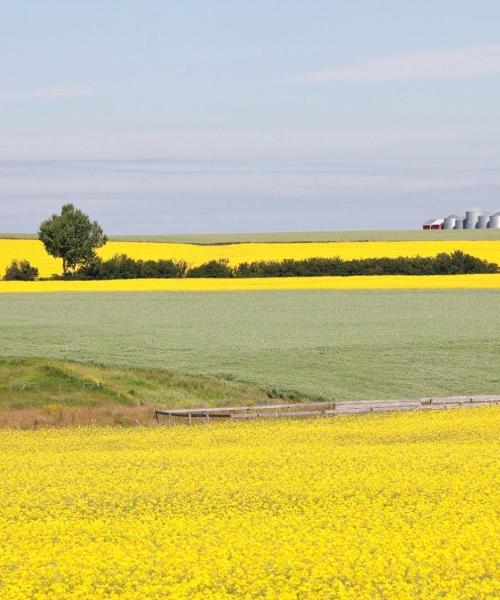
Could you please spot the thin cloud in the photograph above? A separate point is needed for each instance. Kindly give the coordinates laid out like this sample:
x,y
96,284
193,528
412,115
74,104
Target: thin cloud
x,y
52,93
453,63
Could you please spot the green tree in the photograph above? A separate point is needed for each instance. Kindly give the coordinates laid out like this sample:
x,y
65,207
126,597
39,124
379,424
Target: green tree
x,y
71,236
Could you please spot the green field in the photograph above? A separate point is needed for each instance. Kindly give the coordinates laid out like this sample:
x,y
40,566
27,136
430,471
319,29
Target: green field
x,y
327,344
299,236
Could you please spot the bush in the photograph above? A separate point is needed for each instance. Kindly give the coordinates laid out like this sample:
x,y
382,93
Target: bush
x,y
212,269
20,270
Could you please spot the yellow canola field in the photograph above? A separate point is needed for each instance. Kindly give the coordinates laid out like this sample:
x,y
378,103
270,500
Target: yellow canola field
x,y
397,507
33,251
372,282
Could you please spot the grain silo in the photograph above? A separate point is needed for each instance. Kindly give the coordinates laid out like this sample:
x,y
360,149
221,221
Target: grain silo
x,y
482,221
459,223
471,218
449,221
494,222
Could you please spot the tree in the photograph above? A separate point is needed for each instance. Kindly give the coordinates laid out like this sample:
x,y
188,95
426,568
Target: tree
x,y
20,270
71,236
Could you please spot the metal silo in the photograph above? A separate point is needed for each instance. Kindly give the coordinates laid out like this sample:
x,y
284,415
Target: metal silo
x,y
494,222
471,218
482,221
459,223
449,221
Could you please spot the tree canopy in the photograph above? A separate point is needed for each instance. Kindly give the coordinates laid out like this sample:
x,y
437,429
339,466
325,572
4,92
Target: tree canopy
x,y
71,236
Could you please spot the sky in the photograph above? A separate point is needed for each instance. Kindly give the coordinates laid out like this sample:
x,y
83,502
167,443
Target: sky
x,y
240,116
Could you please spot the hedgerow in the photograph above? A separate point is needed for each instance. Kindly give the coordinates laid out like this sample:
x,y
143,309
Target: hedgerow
x,y
442,264
122,266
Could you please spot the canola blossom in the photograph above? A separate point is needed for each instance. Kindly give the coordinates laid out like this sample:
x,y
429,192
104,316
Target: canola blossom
x,y
34,251
397,507
366,282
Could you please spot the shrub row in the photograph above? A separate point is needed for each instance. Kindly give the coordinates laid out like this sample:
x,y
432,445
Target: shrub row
x,y
124,267
442,264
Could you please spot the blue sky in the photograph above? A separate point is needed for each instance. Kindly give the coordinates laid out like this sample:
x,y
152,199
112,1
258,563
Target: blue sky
x,y
162,117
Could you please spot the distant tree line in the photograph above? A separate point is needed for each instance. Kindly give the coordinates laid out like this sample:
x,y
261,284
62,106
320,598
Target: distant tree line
x,y
443,264
124,267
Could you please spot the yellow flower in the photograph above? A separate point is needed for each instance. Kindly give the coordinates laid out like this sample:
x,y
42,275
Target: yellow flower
x,y
386,506
375,282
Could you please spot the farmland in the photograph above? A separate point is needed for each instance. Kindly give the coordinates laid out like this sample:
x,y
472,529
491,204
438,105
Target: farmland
x,y
327,344
372,235
33,251
381,506
393,506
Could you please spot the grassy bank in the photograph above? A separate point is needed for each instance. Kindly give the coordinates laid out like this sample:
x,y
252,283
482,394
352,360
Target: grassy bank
x,y
326,344
46,392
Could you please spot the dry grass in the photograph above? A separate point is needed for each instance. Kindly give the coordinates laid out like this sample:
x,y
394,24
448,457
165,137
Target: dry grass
x,y
53,415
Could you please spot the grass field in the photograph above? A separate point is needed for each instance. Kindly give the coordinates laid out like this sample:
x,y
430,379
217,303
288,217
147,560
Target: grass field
x,y
34,251
299,236
327,344
388,506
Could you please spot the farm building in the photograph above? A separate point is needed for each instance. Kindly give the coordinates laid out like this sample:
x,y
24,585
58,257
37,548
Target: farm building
x,y
475,218
434,224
